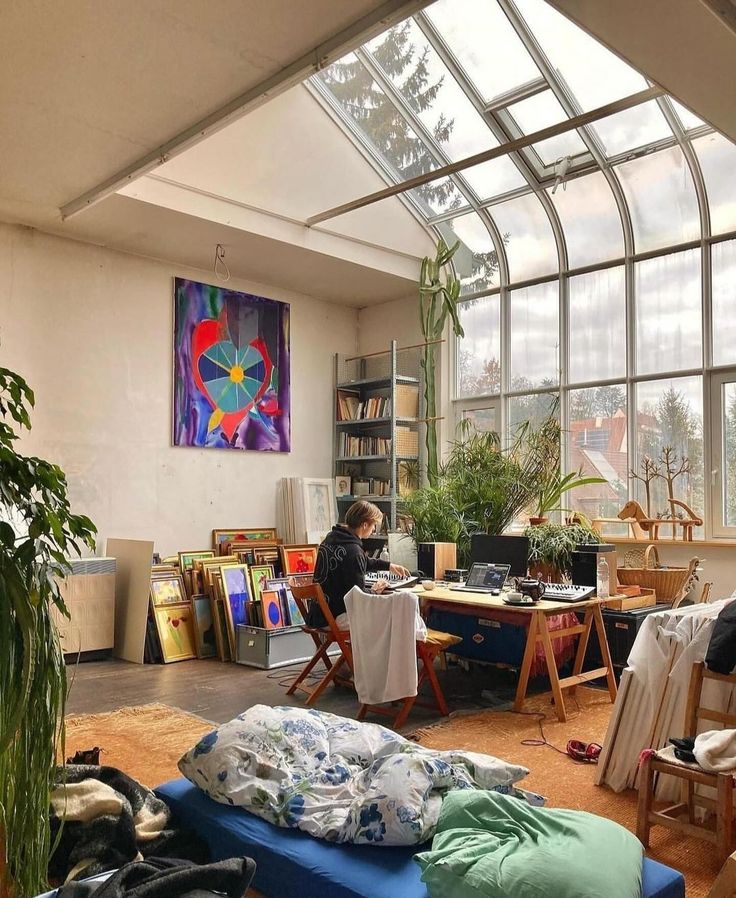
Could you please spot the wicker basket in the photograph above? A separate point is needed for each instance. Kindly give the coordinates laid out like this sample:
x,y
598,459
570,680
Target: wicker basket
x,y
667,582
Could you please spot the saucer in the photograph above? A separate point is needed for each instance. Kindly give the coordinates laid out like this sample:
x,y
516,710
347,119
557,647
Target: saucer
x,y
520,604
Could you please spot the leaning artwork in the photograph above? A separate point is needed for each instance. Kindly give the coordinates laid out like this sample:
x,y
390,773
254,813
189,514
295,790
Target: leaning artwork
x,y
231,369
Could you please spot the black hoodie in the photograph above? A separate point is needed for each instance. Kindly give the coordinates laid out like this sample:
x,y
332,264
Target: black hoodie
x,y
341,565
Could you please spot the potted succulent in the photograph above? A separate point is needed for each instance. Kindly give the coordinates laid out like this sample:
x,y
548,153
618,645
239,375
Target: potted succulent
x,y
551,547
37,532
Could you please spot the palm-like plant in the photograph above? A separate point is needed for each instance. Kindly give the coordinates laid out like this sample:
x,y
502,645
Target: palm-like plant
x,y
439,292
37,532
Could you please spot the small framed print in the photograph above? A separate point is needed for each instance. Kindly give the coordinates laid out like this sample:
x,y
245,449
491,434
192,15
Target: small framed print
x,y
260,574
186,559
243,533
175,632
298,559
273,613
167,590
342,486
204,627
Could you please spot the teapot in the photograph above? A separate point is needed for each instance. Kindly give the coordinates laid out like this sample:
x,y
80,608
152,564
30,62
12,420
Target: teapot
x,y
528,586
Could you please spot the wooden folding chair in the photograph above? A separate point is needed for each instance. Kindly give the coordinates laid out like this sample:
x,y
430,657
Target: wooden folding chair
x,y
725,883
324,639
681,816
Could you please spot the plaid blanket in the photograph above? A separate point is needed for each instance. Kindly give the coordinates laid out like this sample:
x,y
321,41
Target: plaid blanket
x,y
108,820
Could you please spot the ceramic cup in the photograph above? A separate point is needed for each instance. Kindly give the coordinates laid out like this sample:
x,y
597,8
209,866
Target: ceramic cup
x,y
428,584
518,597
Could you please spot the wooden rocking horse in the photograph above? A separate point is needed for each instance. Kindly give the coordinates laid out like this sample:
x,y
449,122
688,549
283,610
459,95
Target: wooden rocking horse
x,y
632,510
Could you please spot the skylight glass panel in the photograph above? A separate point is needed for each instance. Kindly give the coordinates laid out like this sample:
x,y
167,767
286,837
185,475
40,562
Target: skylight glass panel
x,y
535,315
476,262
494,178
479,351
367,105
541,111
632,128
688,120
485,44
668,313
527,235
592,72
723,261
438,197
590,220
661,197
432,93
717,157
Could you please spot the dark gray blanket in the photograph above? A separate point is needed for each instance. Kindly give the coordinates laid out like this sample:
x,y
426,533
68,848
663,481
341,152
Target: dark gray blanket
x,y
110,820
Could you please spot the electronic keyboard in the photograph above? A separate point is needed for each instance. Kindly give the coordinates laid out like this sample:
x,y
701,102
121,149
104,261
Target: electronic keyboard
x,y
394,580
567,592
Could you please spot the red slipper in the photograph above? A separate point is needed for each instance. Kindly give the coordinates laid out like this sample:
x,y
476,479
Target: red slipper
x,y
584,751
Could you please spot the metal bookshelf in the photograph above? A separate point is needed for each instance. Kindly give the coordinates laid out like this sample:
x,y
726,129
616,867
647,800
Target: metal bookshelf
x,y
376,374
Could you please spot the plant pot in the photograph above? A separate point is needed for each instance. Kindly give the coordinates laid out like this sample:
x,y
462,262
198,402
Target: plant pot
x,y
536,521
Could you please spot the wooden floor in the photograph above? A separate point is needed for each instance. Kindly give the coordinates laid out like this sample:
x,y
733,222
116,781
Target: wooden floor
x,y
218,691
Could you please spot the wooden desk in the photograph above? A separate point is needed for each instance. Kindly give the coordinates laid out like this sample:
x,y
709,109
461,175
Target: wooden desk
x,y
534,618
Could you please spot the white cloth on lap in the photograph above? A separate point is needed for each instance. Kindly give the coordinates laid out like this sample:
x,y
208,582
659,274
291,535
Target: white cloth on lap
x,y
384,628
715,750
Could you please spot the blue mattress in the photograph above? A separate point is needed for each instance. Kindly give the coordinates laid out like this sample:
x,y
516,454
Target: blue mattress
x,y
292,864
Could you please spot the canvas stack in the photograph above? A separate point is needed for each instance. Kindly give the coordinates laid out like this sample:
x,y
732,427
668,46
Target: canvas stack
x,y
305,508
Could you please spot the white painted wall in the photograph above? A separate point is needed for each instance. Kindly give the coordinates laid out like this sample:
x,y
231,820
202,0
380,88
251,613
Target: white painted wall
x,y
91,331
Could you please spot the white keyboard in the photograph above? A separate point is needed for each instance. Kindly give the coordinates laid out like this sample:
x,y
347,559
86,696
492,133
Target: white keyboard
x,y
567,592
394,580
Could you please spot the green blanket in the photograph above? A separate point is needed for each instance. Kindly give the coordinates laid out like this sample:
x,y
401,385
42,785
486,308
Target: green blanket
x,y
492,846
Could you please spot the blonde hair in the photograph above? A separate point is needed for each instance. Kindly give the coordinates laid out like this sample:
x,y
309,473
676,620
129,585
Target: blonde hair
x,y
362,512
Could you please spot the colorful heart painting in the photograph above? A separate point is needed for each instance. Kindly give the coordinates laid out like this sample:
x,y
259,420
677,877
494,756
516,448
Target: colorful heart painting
x,y
231,369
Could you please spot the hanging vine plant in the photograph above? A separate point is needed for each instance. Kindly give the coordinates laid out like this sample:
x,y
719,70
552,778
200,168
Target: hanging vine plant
x,y
439,292
37,533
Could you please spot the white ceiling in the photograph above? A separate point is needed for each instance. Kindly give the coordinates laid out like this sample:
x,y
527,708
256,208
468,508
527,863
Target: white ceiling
x,y
88,88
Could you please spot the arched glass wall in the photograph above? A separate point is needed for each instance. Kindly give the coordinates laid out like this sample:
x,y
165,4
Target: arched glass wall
x,y
597,264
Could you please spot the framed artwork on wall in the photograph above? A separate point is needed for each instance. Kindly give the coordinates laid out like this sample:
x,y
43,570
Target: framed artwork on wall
x,y
231,369
298,559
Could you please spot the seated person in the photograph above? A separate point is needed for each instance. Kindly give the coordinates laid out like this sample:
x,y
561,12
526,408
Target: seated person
x,y
342,562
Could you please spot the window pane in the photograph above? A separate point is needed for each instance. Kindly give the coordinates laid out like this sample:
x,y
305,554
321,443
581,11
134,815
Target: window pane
x,y
632,128
534,408
479,351
723,256
471,28
597,325
668,313
728,424
717,157
688,120
476,263
541,111
670,413
590,220
660,193
527,235
482,420
594,74
534,336
434,96
493,178
598,445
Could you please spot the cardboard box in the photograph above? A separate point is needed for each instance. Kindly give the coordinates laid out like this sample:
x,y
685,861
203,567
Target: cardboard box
x,y
407,401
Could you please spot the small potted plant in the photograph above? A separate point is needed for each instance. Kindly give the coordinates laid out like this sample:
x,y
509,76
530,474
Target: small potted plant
x,y
551,547
551,490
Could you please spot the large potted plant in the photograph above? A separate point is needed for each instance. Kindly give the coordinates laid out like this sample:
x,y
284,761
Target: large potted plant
x,y
551,547
37,533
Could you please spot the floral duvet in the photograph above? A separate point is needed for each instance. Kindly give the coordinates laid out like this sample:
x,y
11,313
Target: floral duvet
x,y
337,779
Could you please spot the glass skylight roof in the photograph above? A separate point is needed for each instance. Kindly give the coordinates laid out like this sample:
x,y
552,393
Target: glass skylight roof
x,y
466,76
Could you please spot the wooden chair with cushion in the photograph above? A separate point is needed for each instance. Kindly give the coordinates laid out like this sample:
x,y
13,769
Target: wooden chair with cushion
x,y
436,643
682,816
324,638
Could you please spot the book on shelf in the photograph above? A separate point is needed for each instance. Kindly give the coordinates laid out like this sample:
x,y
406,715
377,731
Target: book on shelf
x,y
371,486
350,445
350,407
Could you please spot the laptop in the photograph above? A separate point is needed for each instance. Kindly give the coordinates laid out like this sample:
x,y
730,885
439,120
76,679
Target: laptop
x,y
483,577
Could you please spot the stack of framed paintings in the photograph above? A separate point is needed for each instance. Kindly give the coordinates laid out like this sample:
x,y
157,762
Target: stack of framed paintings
x,y
186,567
172,615
279,604
221,537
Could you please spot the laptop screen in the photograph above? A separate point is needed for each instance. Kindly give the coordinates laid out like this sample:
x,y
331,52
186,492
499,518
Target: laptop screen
x,y
488,576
